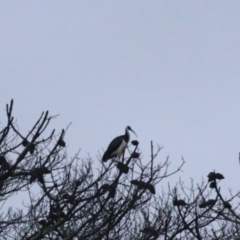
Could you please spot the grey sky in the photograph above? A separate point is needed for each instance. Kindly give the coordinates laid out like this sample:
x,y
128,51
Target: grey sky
x,y
169,69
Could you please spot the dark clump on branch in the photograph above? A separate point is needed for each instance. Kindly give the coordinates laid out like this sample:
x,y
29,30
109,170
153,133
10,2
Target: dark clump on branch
x,y
219,176
144,185
55,214
151,188
77,183
209,203
5,166
227,205
66,196
150,231
122,167
112,191
25,142
212,176
32,148
38,173
213,184
135,182
43,223
61,143
105,187
203,205
135,143
179,202
135,155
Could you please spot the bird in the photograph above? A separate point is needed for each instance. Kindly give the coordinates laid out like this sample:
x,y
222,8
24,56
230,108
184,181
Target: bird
x,y
118,145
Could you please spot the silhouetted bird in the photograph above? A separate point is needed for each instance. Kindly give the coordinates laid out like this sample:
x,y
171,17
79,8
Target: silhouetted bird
x,y
118,145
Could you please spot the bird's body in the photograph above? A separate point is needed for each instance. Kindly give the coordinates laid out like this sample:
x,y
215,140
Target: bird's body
x,y
117,146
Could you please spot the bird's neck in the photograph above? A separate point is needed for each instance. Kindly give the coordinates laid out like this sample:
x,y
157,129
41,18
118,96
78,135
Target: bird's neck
x,y
126,136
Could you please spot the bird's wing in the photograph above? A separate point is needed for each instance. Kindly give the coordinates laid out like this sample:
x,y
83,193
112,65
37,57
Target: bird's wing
x,y
114,144
112,147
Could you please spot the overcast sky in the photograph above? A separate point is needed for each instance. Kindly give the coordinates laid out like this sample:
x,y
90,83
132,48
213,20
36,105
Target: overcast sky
x,y
169,69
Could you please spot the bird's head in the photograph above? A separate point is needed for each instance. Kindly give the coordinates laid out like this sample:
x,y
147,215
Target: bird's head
x,y
128,128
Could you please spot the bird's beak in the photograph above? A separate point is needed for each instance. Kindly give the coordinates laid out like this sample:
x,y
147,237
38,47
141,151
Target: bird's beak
x,y
133,132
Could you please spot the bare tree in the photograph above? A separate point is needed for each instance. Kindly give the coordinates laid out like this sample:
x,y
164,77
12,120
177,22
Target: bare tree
x,y
65,198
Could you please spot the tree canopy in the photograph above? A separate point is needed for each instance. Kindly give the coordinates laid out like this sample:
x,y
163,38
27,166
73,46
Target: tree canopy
x,y
74,198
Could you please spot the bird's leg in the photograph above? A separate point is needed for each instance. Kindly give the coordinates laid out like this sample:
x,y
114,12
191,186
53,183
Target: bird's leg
x,y
123,156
